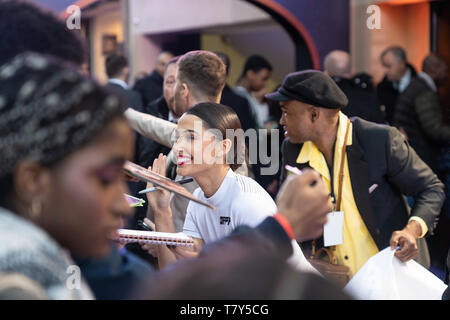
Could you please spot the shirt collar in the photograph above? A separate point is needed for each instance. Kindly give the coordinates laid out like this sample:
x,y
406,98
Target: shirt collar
x,y
404,81
428,80
310,153
172,118
119,82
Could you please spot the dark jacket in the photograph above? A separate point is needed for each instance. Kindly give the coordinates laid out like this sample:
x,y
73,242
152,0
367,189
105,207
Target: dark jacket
x,y
380,155
446,294
419,113
150,87
388,94
239,105
115,276
361,103
146,149
131,98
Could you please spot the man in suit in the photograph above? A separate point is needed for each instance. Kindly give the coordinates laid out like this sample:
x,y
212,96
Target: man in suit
x,y
146,149
239,104
419,111
116,67
378,167
151,86
398,76
361,103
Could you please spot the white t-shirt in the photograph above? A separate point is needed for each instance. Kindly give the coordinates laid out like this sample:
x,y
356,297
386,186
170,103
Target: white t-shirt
x,y
239,201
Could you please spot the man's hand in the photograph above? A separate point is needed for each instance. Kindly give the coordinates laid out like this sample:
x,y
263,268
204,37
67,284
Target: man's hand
x,y
305,201
406,239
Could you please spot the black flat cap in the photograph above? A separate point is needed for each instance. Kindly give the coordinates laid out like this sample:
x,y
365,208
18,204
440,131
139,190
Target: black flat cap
x,y
311,87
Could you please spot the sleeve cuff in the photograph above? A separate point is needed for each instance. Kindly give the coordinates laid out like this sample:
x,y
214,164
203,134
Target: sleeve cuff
x,y
422,223
285,224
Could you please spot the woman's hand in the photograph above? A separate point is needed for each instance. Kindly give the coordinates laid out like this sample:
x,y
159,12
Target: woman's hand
x,y
152,249
187,253
159,200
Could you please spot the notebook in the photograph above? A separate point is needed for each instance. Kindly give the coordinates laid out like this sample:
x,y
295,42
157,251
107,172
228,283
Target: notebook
x,y
143,174
153,237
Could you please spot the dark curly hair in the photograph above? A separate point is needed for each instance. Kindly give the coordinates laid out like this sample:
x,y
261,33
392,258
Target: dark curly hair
x,y
47,111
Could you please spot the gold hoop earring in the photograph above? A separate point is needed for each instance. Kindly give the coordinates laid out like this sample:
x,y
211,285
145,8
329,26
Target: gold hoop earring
x,y
36,208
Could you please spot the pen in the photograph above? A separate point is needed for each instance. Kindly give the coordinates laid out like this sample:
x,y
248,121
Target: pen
x,y
293,169
144,226
182,181
297,171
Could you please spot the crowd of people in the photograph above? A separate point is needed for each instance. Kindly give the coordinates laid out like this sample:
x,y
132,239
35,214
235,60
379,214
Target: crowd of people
x,y
377,154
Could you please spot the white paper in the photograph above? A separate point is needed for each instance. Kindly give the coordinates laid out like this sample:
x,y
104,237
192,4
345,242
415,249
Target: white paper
x,y
385,277
333,229
298,260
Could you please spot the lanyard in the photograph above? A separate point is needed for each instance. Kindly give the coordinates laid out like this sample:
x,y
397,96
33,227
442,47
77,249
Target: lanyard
x,y
341,170
338,202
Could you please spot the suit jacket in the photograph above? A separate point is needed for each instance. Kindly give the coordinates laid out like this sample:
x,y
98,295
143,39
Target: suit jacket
x,y
419,113
388,94
240,106
380,155
150,87
131,98
147,149
361,103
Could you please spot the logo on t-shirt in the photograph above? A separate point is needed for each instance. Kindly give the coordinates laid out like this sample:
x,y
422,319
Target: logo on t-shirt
x,y
225,220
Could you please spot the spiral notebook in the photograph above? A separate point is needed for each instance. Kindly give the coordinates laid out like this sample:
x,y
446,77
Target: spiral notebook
x,y
153,237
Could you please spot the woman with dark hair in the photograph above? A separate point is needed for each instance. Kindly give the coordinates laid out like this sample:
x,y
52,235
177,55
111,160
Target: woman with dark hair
x,y
206,149
63,142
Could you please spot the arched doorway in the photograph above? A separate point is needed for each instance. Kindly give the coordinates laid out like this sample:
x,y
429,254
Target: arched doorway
x,y
306,52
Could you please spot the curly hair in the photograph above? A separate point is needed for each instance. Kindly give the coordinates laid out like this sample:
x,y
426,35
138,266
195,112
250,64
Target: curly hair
x,y
47,111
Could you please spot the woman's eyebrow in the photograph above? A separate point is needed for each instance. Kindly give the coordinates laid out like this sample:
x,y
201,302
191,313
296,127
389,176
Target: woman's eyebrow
x,y
186,130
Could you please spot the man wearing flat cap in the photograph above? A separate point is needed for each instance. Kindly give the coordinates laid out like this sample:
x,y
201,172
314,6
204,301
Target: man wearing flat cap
x,y
378,168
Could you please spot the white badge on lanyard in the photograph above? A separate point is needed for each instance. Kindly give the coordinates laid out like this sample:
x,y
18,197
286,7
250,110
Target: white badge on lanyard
x,y
333,229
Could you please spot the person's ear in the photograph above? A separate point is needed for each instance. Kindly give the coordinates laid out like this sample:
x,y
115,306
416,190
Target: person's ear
x,y
32,182
226,145
184,90
314,113
250,74
185,93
